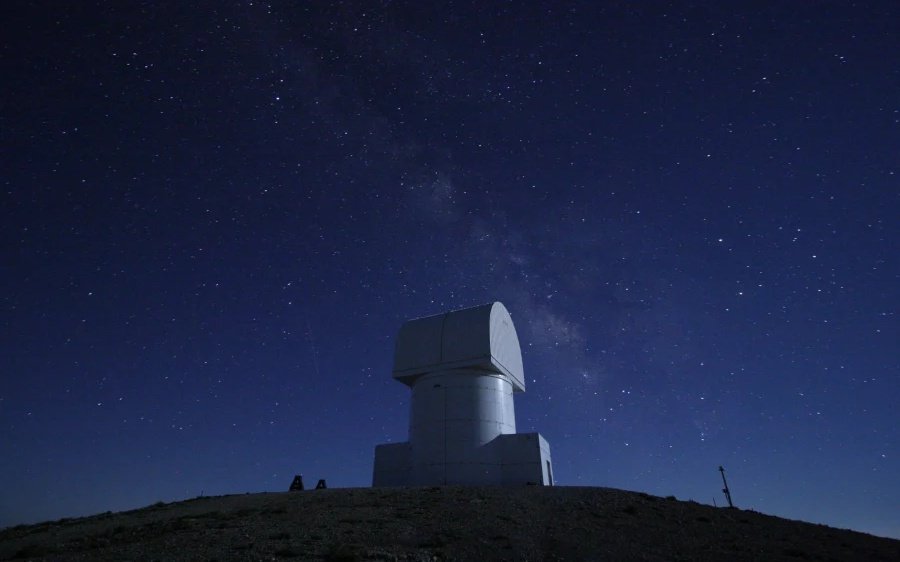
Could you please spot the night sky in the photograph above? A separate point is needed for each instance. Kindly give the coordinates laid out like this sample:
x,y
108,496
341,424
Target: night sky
x,y
215,216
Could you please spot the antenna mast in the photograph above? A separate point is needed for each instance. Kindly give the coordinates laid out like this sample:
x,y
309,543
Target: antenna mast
x,y
725,489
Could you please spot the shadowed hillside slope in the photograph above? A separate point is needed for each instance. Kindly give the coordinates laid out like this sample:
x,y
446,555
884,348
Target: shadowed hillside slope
x,y
442,523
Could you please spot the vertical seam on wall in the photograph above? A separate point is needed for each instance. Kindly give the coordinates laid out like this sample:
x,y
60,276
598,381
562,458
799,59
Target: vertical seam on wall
x,y
444,392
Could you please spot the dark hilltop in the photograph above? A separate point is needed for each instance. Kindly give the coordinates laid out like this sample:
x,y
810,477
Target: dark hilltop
x,y
439,523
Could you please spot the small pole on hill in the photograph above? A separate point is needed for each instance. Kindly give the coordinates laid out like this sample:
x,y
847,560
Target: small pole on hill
x,y
725,489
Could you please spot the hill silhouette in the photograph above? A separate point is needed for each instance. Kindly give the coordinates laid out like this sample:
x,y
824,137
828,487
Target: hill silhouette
x,y
439,523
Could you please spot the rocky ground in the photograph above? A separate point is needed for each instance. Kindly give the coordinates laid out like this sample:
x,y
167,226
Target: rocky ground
x,y
439,523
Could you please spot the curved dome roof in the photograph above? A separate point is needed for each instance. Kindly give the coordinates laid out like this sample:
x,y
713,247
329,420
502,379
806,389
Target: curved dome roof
x,y
478,337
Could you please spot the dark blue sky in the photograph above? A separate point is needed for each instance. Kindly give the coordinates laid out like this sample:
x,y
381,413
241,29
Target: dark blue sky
x,y
216,216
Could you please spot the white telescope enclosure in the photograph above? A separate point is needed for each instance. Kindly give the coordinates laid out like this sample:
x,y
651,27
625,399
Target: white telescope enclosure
x,y
463,368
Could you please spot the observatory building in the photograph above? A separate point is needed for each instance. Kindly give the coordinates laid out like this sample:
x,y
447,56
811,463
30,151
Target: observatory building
x,y
463,368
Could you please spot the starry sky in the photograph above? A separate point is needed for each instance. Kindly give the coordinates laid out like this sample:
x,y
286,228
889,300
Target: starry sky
x,y
215,216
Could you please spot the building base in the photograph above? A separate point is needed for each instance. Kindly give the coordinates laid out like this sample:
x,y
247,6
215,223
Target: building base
x,y
508,460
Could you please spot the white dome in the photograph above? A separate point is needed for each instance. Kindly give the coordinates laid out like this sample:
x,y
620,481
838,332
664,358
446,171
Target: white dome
x,y
482,337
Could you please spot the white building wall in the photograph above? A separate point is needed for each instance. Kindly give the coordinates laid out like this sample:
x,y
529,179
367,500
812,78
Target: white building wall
x,y
453,415
524,458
